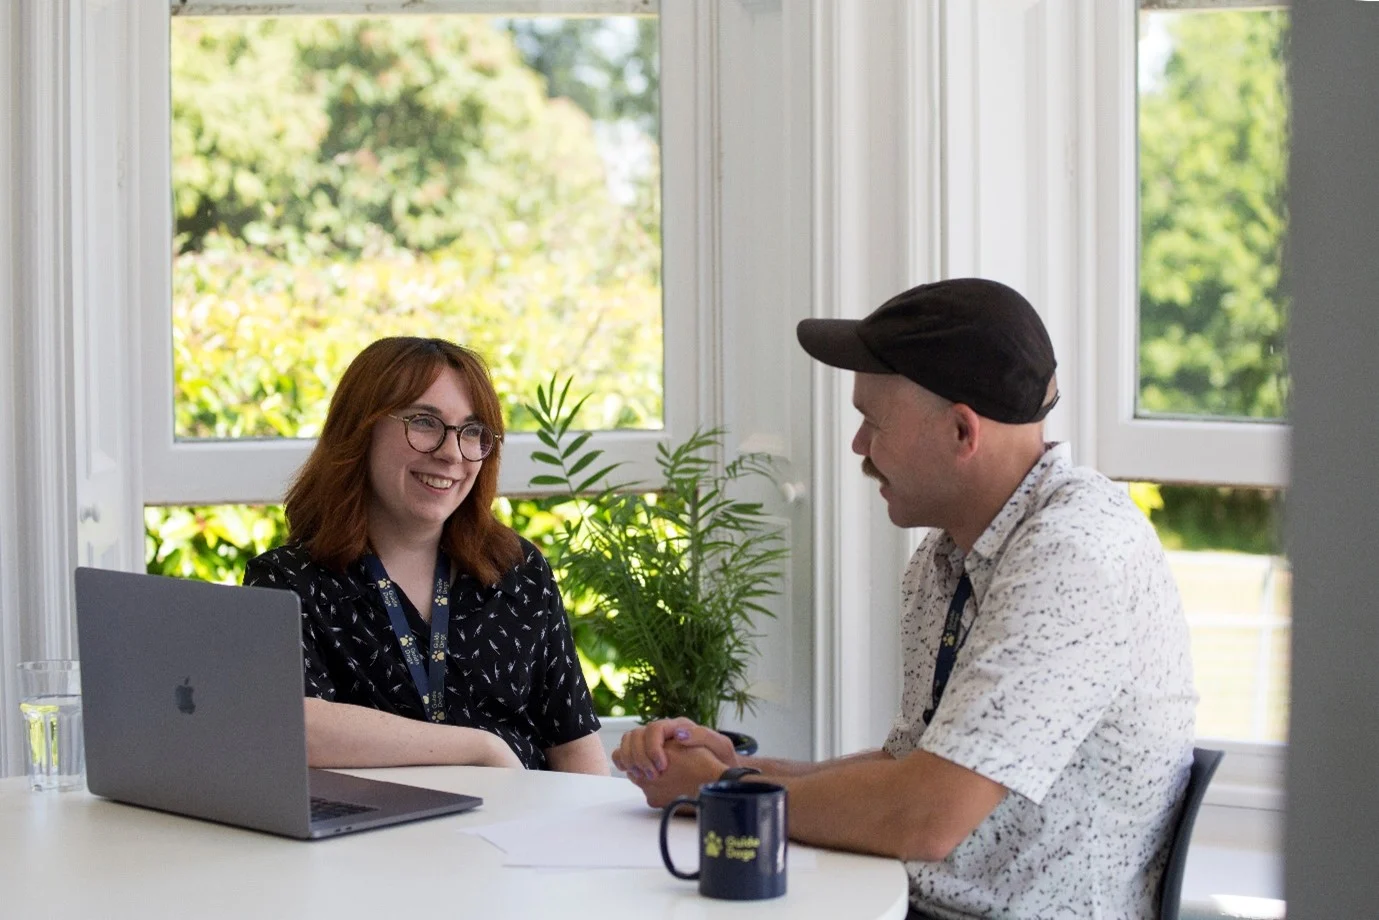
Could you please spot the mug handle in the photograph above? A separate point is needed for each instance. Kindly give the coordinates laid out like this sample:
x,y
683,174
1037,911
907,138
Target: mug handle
x,y
665,848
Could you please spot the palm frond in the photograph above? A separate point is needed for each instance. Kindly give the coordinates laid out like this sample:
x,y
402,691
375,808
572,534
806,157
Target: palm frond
x,y
674,576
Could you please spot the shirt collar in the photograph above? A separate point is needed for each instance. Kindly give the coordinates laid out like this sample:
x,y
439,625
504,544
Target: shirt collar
x,y
1021,502
510,584
1013,513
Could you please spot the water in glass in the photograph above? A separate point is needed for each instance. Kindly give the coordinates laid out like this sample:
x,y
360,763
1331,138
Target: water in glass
x,y
52,727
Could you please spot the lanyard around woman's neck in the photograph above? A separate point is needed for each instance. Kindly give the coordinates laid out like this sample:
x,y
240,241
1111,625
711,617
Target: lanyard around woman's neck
x,y
432,689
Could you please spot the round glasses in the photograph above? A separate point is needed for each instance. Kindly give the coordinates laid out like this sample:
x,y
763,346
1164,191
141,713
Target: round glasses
x,y
426,433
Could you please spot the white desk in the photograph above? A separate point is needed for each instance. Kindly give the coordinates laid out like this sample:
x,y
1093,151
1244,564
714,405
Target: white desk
x,y
74,855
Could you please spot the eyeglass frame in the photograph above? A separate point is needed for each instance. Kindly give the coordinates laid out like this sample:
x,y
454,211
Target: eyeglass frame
x,y
406,421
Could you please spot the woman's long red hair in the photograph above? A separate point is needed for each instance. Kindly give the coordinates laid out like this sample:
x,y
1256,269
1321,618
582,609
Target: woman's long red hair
x,y
327,504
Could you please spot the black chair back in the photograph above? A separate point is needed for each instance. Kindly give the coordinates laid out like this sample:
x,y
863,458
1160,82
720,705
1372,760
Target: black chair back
x,y
1204,764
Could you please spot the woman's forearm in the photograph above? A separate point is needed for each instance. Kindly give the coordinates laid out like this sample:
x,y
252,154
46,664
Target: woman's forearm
x,y
344,735
583,755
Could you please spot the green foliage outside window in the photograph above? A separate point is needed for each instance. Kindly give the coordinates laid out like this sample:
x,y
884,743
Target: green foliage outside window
x,y
622,85
210,543
260,342
336,180
1213,144
1241,520
1213,170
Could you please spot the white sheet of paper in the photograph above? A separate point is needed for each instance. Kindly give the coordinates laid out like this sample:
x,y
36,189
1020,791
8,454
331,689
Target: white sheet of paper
x,y
604,837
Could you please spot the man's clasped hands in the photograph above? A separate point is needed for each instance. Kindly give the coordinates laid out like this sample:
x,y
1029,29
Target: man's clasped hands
x,y
673,757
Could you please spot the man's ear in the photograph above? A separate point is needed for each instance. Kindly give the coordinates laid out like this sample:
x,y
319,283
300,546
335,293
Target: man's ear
x,y
967,426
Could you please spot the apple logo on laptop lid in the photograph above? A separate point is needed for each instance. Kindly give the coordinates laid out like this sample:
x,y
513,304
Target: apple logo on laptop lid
x,y
183,692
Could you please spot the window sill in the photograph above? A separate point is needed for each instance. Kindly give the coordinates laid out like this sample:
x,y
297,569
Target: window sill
x,y
1232,882
1244,795
1235,864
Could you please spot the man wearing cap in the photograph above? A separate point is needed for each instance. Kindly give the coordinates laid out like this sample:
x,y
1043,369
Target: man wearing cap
x,y
1046,719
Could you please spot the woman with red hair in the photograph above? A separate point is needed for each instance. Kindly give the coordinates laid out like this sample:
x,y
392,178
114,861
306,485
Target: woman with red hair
x,y
431,633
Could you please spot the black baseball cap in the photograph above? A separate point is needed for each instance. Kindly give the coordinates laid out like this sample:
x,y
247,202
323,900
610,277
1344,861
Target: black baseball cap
x,y
969,340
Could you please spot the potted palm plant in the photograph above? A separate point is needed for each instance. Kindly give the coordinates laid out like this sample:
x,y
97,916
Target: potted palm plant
x,y
673,573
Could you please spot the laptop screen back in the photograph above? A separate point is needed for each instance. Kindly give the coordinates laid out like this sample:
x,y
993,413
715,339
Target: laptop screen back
x,y
192,698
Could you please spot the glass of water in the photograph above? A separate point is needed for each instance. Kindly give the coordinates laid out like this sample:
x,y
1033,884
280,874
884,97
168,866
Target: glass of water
x,y
50,703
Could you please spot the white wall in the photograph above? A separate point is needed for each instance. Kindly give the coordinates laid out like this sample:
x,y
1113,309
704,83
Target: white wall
x,y
1333,520
874,131
759,387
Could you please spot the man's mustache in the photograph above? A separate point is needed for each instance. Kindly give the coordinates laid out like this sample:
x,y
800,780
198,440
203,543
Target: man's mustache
x,y
869,470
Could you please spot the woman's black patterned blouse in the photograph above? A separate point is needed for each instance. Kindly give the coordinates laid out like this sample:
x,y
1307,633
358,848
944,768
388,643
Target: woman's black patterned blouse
x,y
512,667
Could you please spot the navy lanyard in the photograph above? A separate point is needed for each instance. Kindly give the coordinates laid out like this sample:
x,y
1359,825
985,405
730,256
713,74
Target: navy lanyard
x,y
432,690
948,645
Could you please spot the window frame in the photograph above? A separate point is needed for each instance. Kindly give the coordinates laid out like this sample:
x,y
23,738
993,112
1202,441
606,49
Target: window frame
x,y
1203,451
1179,450
257,470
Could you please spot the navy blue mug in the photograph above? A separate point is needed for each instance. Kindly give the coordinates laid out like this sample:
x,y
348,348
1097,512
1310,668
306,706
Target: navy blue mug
x,y
742,840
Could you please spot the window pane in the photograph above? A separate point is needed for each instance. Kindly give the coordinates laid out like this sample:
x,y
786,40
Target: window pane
x,y
215,543
1213,125
1225,550
488,180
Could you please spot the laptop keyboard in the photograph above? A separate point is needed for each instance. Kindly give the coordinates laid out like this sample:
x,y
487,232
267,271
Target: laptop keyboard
x,y
325,809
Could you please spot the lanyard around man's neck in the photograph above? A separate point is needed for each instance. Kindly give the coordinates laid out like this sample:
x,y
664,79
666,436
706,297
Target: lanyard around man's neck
x,y
432,688
948,645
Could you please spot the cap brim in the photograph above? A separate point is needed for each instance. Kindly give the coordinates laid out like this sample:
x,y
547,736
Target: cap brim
x,y
836,343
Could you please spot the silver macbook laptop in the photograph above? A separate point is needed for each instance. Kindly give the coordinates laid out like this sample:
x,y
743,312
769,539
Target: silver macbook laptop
x,y
192,703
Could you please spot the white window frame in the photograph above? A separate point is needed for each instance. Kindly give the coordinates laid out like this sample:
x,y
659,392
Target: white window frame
x,y
1206,451
1202,451
256,471
95,138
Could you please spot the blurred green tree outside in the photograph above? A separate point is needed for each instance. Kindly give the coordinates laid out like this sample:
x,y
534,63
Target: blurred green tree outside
x,y
1213,170
611,80
340,179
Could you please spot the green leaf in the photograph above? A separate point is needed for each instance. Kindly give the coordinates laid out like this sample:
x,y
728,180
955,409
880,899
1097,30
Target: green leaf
x,y
589,483
576,444
569,417
583,463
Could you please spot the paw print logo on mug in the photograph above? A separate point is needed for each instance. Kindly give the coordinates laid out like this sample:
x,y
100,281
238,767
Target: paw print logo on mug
x,y
713,845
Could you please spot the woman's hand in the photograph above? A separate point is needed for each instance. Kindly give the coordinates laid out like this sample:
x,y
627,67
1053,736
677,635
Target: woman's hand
x,y
687,768
642,753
